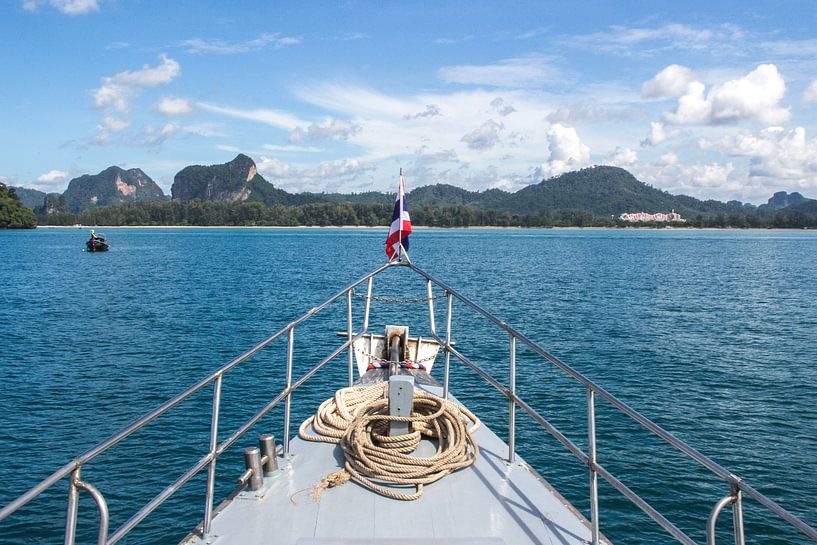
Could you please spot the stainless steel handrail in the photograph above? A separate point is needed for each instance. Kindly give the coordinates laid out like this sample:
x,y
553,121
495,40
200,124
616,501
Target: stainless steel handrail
x,y
208,460
737,484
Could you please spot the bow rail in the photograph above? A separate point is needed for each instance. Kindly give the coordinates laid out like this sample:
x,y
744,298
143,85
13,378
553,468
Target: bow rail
x,y
738,488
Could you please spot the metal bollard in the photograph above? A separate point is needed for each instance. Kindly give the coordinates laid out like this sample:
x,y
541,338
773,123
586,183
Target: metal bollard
x,y
252,461
268,455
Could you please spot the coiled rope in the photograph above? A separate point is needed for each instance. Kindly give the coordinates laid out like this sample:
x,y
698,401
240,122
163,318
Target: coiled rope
x,y
357,419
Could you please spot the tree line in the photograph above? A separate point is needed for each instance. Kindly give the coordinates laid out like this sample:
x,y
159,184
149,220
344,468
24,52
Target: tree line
x,y
13,215
197,213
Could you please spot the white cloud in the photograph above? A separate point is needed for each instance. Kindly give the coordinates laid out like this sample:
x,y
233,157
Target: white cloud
x,y
327,175
275,118
756,96
516,72
157,136
328,129
293,149
53,176
590,111
117,90
173,106
567,152
216,46
622,157
502,107
432,110
810,94
672,81
659,134
273,168
775,153
485,136
115,124
646,41
68,7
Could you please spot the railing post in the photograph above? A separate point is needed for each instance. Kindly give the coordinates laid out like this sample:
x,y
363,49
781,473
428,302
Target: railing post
x,y
712,521
511,402
431,322
211,471
349,336
102,507
73,505
447,367
591,462
288,405
737,515
368,305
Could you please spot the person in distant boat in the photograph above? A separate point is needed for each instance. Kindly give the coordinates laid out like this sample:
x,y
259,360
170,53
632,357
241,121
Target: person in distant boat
x,y
93,236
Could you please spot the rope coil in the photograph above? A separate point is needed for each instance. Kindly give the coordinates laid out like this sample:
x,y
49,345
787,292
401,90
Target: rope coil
x,y
357,419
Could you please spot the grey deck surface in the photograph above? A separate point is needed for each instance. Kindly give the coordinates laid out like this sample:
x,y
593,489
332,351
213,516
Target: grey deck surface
x,y
491,502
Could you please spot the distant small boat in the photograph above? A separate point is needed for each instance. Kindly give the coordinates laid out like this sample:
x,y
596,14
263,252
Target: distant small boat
x,y
97,244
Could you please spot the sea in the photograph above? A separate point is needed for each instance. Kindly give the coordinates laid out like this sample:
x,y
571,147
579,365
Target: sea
x,y
712,334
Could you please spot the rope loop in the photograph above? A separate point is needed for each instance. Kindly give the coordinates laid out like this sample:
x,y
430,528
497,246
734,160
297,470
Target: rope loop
x,y
357,419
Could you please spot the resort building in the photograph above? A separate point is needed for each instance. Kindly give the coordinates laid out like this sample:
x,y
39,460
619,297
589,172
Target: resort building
x,y
644,216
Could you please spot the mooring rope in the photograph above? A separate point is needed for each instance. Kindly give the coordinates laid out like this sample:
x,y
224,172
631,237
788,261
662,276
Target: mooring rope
x,y
357,418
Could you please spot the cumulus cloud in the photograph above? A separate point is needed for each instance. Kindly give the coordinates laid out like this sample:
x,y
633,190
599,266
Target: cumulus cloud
x,y
221,47
115,124
327,175
756,96
702,180
502,107
52,176
432,110
567,152
774,153
68,7
173,106
659,134
328,129
271,167
621,157
116,91
516,72
485,136
672,81
810,94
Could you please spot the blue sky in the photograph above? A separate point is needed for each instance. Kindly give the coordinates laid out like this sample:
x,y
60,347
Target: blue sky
x,y
710,99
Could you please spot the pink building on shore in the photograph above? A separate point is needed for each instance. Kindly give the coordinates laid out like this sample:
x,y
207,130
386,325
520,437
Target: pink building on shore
x,y
643,216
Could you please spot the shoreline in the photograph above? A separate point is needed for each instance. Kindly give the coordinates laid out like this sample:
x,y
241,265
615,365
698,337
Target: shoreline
x,y
424,227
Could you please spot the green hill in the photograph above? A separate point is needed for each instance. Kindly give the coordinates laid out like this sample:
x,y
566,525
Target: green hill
x,y
31,198
111,186
13,214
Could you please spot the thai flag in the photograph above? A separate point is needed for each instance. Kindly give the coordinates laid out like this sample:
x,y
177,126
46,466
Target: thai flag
x,y
400,228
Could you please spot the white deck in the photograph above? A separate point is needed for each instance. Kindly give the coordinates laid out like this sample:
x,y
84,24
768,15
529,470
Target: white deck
x,y
491,502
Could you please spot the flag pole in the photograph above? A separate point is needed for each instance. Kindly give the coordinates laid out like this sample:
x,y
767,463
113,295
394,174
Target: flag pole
x,y
400,191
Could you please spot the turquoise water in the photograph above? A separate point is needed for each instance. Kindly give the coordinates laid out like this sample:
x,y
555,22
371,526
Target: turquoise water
x,y
709,333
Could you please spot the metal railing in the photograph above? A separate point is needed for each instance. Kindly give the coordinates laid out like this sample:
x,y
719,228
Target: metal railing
x,y
738,488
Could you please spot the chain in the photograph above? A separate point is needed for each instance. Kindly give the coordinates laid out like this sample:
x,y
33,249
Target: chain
x,y
393,300
405,363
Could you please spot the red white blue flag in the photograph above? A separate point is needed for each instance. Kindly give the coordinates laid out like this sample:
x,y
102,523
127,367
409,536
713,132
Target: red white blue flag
x,y
400,227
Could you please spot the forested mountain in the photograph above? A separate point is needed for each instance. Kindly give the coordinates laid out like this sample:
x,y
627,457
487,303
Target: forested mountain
x,y
13,215
592,196
31,198
111,186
